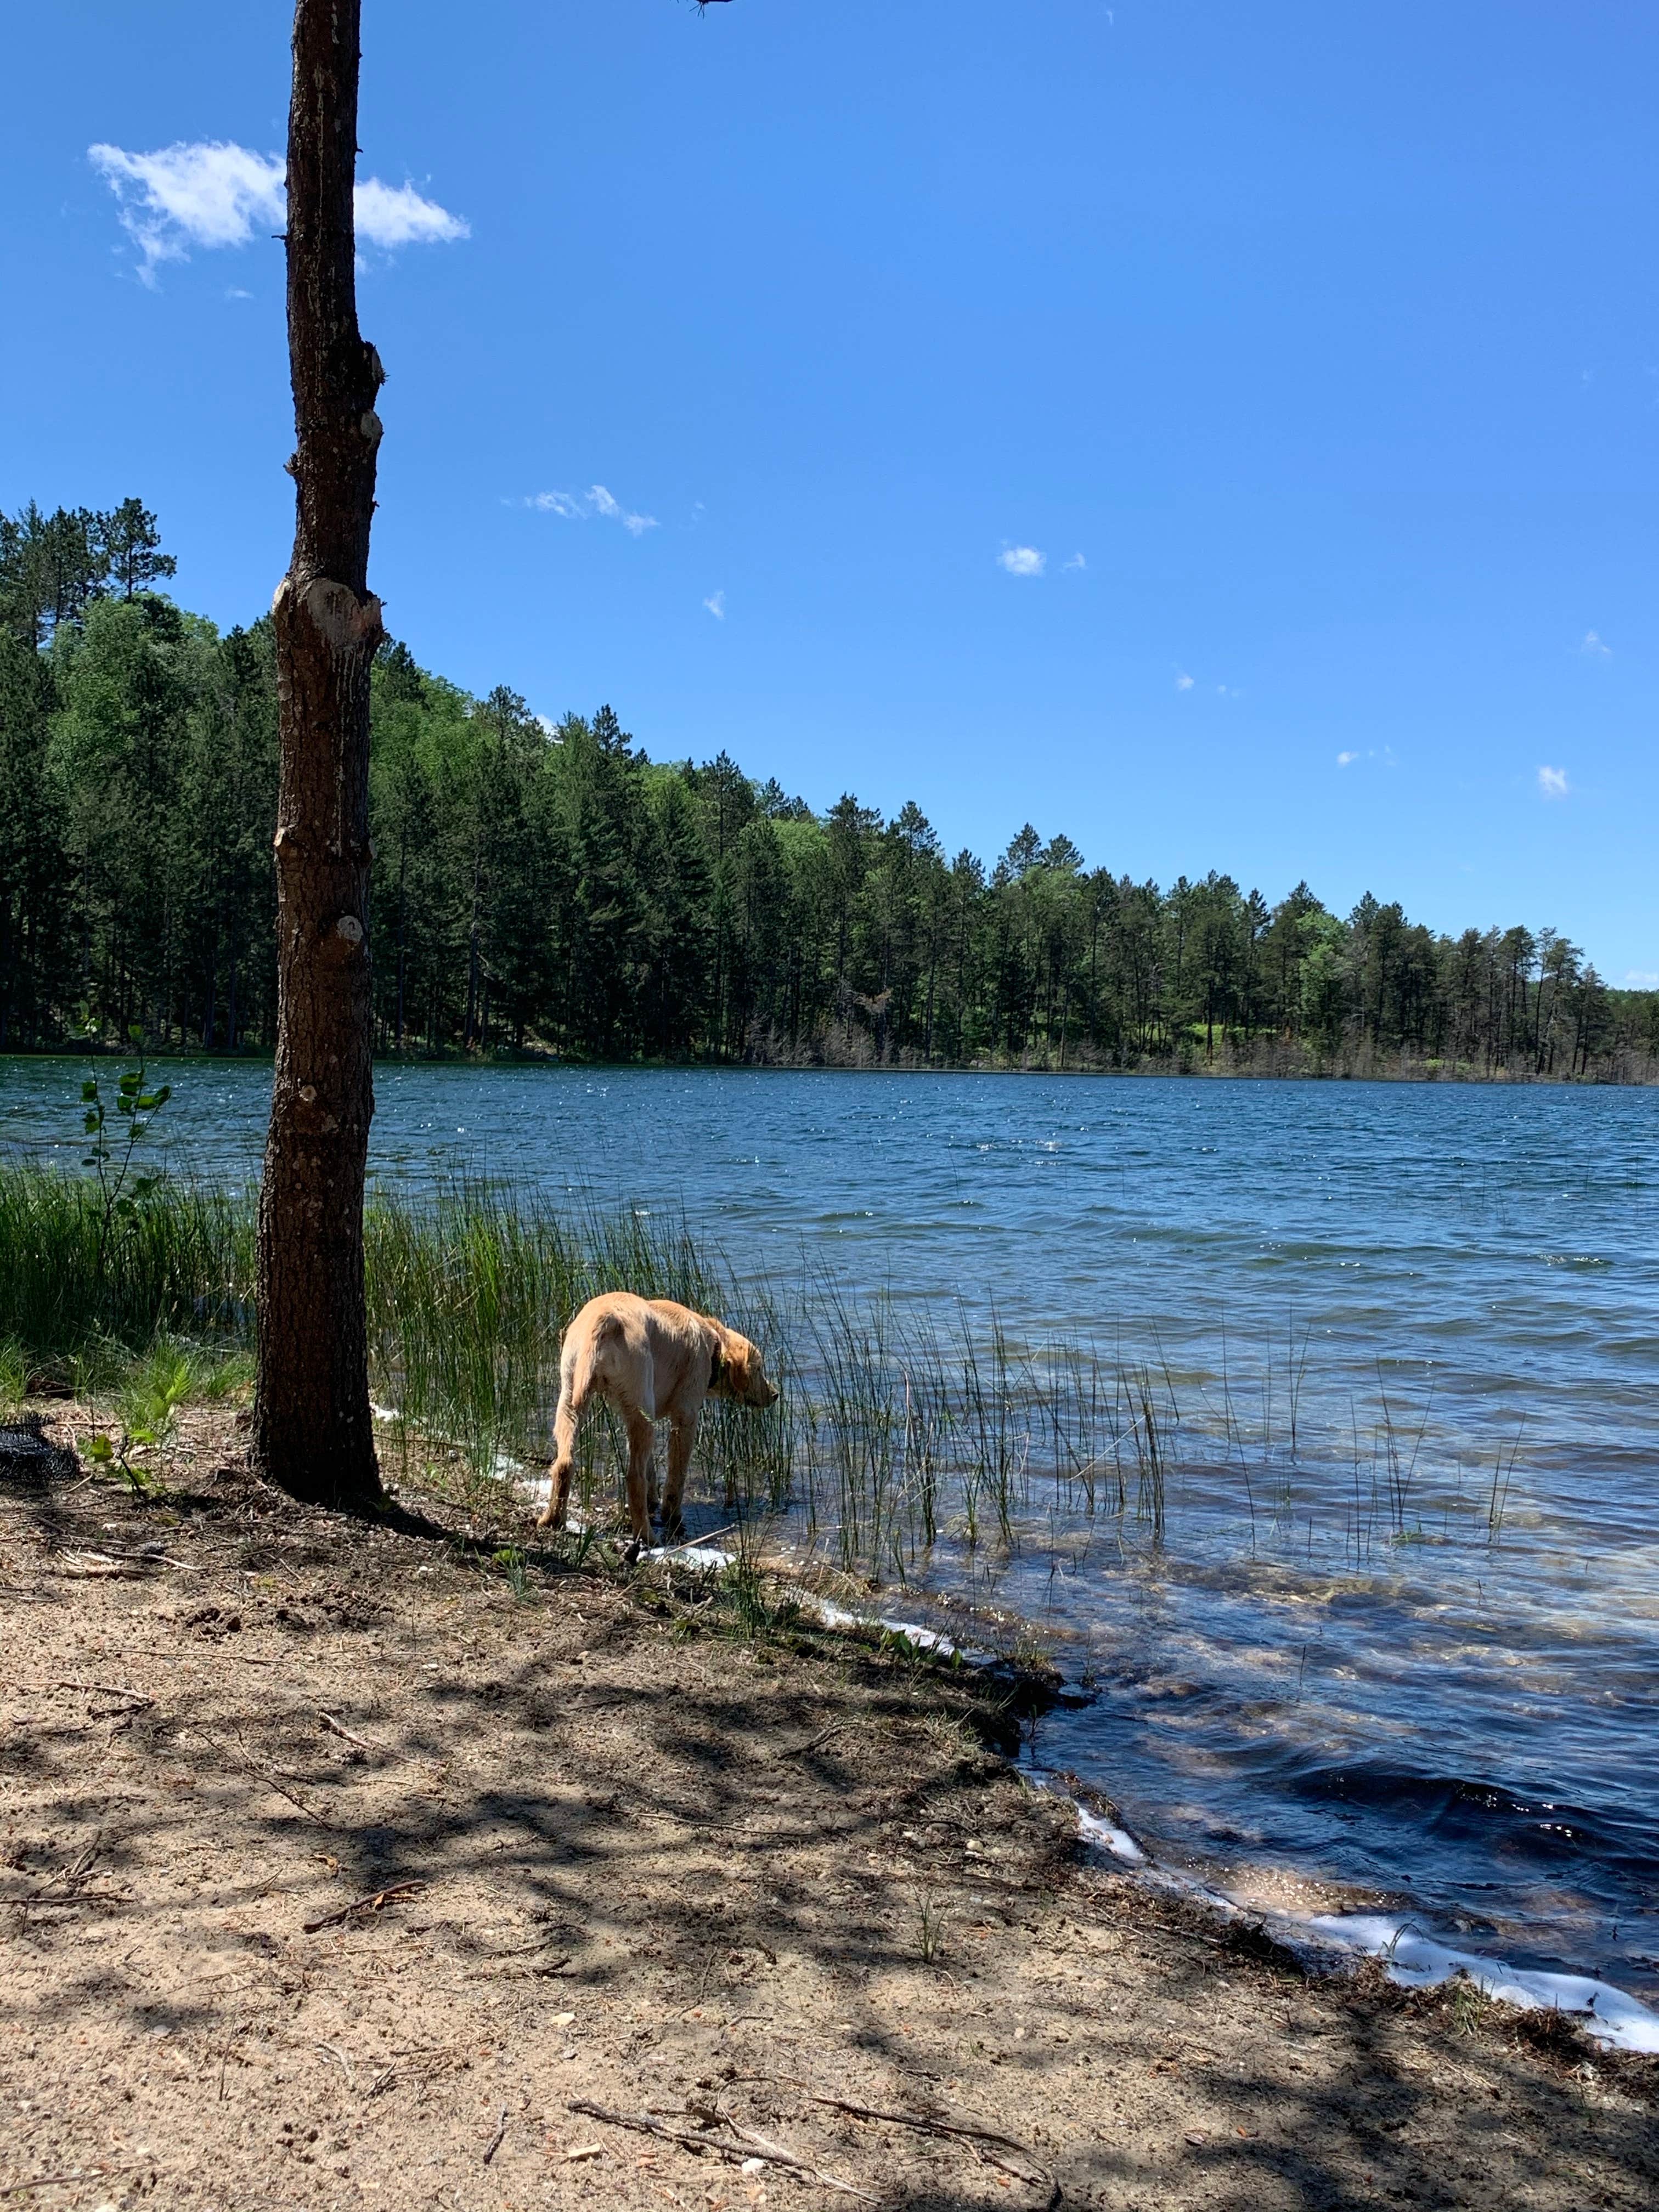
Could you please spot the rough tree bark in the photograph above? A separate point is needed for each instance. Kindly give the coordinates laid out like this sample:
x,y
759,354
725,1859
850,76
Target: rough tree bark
x,y
313,1429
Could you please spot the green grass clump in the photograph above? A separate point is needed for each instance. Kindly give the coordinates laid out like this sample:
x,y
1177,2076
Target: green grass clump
x,y
182,1264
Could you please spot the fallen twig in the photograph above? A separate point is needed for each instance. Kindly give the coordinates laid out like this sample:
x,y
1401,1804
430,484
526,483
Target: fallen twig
x,y
63,2180
332,2051
498,2138
396,1892
1041,2179
748,2147
263,1774
814,1743
339,1729
101,1689
68,1874
138,1698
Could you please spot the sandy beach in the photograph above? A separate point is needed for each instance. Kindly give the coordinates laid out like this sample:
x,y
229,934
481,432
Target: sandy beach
x,y
348,1864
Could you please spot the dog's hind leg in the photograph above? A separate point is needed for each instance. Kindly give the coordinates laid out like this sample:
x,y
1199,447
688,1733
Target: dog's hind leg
x,y
641,1472
564,1460
681,1437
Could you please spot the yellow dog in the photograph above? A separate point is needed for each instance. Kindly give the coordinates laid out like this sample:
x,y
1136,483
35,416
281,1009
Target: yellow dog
x,y
654,1361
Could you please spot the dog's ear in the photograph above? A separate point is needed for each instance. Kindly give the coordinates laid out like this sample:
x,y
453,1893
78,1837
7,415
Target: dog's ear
x,y
717,1363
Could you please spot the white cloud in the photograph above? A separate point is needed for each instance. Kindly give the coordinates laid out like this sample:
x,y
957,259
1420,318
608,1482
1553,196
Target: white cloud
x,y
1022,560
1077,560
576,508
1641,979
635,525
1552,782
1183,682
391,216
715,604
1594,647
212,192
1346,760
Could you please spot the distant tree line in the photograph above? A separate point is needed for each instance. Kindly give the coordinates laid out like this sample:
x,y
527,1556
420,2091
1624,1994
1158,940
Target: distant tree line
x,y
552,888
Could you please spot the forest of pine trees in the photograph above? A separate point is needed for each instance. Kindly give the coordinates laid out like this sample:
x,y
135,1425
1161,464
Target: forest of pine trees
x,y
557,890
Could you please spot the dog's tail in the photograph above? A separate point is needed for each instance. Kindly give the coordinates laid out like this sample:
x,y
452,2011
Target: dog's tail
x,y
585,1368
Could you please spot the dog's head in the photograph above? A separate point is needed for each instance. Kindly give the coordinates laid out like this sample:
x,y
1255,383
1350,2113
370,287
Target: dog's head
x,y
738,1371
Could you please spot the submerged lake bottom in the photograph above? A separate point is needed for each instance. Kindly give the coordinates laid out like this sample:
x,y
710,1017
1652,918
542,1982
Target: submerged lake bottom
x,y
1348,1544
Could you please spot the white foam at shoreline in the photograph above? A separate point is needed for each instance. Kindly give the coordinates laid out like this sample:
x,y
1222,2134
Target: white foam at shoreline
x,y
1107,1838
706,1558
1415,1960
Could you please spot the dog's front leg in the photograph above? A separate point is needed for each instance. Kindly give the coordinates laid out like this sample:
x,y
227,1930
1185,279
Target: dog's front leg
x,y
682,1435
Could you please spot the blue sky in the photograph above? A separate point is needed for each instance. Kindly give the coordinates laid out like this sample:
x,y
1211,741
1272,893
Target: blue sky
x,y
1224,433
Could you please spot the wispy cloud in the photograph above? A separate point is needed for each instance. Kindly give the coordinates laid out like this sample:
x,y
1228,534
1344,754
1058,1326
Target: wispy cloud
x,y
1641,979
212,192
1183,682
635,525
715,604
389,216
1077,560
1386,754
1022,560
1552,782
1346,760
581,506
1594,647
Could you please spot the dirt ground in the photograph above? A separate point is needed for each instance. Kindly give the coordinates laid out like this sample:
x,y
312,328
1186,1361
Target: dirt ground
x,y
777,1895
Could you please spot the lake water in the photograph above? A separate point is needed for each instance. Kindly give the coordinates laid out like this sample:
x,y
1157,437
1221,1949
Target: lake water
x,y
1332,1679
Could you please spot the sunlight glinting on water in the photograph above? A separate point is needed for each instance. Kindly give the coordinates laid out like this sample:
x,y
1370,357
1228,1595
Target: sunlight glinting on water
x,y
1409,1651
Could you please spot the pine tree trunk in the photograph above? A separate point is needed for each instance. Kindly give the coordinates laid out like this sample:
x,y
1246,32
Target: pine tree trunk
x,y
312,1431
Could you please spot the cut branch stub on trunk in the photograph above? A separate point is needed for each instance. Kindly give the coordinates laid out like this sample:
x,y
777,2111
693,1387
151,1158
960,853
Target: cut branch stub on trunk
x,y
313,1432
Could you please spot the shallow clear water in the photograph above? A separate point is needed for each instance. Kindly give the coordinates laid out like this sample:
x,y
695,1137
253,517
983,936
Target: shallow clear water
x,y
1328,1668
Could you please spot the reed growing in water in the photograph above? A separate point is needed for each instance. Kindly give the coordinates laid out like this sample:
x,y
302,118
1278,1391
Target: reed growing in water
x,y
899,1427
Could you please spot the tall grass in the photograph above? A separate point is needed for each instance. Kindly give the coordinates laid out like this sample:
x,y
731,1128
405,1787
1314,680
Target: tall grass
x,y
468,1296
898,1428
183,1264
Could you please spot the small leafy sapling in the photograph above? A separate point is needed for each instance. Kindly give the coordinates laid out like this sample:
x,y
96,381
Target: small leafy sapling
x,y
149,1405
111,1146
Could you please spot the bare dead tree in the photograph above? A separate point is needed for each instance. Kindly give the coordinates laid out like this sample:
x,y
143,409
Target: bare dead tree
x,y
313,1432
313,1429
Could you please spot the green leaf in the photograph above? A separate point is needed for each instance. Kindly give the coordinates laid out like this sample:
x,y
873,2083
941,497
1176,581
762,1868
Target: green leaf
x,y
136,1031
149,1102
143,1185
164,1094
99,1448
89,1088
91,1122
130,1081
